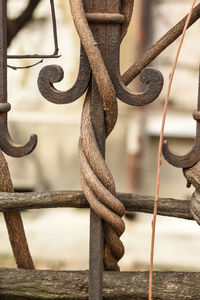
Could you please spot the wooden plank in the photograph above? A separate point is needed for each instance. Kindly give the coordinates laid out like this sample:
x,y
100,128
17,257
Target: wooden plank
x,y
133,202
43,285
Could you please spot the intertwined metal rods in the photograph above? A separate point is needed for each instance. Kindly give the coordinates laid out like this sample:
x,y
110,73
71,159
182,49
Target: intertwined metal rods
x,y
101,26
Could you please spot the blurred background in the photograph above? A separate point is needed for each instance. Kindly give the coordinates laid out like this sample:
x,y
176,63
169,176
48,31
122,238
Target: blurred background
x,y
58,236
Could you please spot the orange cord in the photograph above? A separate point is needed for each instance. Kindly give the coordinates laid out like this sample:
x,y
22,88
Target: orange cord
x,y
160,149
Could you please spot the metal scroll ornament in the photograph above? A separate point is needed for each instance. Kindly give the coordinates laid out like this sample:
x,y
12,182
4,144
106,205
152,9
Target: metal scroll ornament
x,y
101,26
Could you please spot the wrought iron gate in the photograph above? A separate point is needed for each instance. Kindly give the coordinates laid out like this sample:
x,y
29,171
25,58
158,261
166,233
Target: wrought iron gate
x,y
101,26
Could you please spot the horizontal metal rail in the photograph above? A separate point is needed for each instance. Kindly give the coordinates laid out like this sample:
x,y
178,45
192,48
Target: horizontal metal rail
x,y
35,56
135,203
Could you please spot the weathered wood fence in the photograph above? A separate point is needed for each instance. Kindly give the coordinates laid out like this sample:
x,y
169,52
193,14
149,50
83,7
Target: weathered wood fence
x,y
35,284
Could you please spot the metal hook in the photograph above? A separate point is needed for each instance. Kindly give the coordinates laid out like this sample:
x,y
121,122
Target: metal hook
x,y
153,78
6,143
54,73
192,157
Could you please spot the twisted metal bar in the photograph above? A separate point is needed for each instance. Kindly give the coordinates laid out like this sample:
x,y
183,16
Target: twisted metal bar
x,y
97,64
99,189
100,52
96,179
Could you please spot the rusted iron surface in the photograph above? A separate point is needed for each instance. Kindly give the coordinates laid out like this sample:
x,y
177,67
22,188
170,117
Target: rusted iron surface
x,y
6,143
105,18
101,26
13,219
54,73
14,222
192,157
100,52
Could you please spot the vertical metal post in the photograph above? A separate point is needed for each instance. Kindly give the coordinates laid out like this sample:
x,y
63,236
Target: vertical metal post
x,y
96,228
98,123
3,51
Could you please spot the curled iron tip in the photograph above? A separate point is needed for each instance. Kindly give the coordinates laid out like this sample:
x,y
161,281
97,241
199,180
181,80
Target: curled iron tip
x,y
13,149
181,161
192,157
7,145
54,73
149,76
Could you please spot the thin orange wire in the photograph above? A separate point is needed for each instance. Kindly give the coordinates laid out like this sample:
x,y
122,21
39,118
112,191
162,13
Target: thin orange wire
x,y
160,148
